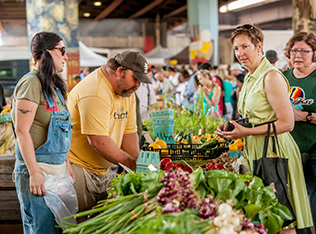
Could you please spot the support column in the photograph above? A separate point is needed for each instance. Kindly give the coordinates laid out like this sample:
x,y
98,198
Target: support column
x,y
60,17
203,21
303,16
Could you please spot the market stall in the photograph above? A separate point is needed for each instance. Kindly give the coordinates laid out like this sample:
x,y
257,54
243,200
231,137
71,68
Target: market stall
x,y
188,181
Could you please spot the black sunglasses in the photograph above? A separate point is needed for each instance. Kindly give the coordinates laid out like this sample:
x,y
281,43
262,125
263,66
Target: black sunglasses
x,y
62,50
245,26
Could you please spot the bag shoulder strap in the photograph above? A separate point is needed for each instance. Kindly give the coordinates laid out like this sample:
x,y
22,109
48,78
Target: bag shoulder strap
x,y
312,149
266,141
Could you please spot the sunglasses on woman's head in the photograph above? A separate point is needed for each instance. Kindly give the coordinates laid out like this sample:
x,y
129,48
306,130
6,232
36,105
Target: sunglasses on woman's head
x,y
62,50
245,26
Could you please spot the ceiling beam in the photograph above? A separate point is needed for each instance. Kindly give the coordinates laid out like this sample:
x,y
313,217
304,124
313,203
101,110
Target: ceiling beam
x,y
137,14
102,15
177,11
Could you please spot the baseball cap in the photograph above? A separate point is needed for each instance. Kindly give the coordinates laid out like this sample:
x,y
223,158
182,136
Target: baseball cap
x,y
134,61
272,56
236,66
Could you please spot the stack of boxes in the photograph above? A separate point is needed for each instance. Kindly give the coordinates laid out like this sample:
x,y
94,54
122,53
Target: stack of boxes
x,y
163,123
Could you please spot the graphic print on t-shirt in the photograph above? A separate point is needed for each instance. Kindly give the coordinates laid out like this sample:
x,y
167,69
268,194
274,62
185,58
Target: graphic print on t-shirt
x,y
54,108
297,97
119,115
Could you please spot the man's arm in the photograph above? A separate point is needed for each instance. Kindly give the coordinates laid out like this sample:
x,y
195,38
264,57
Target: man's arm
x,y
107,148
130,144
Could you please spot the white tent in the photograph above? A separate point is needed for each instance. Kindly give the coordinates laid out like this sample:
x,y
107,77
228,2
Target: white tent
x,y
88,58
14,53
157,55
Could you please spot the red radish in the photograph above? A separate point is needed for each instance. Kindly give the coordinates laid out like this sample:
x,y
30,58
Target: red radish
x,y
164,162
169,166
220,167
178,165
211,166
188,169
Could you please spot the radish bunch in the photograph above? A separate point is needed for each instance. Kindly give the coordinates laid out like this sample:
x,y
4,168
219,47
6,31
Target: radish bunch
x,y
167,165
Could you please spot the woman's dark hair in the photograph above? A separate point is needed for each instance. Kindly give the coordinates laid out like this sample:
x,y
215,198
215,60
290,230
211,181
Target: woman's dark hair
x,y
40,43
241,77
308,38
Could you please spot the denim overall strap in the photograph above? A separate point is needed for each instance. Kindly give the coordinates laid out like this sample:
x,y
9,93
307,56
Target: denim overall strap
x,y
57,145
61,97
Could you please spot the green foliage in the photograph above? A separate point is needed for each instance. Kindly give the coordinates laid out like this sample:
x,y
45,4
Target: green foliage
x,y
187,122
258,201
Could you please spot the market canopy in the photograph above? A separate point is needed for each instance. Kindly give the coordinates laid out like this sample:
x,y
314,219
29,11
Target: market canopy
x,y
89,58
157,55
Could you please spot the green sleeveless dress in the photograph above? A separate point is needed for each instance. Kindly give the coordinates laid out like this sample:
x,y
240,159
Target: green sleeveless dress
x,y
259,110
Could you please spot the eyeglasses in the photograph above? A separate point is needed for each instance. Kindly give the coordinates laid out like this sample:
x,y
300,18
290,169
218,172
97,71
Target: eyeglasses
x,y
245,26
302,52
62,50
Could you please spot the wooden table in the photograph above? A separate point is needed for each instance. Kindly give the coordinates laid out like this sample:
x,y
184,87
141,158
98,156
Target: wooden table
x,y
10,216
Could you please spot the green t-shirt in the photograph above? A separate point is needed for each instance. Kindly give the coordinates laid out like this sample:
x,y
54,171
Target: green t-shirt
x,y
29,87
228,91
302,96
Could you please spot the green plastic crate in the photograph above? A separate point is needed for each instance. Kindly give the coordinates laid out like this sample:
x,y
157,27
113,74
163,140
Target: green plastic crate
x,y
158,122
163,113
5,117
145,158
163,130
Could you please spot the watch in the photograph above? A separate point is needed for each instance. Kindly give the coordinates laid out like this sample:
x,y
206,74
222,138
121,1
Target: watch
x,y
309,117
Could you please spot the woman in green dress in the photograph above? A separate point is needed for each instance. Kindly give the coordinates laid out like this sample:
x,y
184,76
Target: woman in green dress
x,y
264,98
211,93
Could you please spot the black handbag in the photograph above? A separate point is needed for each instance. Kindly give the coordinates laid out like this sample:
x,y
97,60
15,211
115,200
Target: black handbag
x,y
306,155
274,170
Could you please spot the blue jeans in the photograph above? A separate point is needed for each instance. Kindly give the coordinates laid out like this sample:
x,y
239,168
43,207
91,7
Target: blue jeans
x,y
34,210
310,178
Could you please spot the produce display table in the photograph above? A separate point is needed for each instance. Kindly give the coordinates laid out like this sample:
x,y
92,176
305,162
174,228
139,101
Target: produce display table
x,y
10,217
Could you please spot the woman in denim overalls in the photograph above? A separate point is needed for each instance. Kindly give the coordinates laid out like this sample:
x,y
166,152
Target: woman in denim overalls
x,y
43,131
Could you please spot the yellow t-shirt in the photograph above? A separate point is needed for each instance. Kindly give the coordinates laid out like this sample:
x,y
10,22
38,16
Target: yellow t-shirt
x,y
96,110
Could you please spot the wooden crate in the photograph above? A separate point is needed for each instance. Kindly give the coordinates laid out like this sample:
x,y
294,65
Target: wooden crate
x,y
10,216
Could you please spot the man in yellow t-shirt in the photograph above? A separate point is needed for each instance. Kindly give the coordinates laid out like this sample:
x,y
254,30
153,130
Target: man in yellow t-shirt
x,y
103,115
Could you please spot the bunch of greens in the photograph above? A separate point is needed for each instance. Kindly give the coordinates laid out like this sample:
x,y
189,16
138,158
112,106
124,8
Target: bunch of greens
x,y
189,122
184,222
258,202
133,183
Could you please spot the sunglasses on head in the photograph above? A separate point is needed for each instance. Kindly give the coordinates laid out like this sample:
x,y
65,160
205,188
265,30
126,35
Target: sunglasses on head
x,y
62,50
245,26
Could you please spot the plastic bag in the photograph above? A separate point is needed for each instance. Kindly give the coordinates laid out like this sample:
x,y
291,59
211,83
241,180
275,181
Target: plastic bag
x,y
61,197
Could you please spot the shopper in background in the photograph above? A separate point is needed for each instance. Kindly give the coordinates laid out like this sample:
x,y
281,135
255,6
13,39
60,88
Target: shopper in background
x,y
263,99
228,87
147,97
3,102
84,73
164,86
211,93
300,50
43,131
219,81
272,56
235,70
103,111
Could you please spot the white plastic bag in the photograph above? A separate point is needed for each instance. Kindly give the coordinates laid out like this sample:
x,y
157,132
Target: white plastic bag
x,y
61,197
